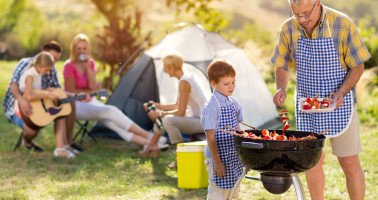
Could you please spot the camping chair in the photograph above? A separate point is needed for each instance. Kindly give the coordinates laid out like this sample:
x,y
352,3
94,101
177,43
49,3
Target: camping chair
x,y
83,130
19,141
197,137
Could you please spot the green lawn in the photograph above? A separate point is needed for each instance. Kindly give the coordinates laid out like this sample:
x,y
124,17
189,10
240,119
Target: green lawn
x,y
111,169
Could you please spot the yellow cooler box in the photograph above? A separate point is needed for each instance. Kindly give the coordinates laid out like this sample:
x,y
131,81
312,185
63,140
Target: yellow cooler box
x,y
191,169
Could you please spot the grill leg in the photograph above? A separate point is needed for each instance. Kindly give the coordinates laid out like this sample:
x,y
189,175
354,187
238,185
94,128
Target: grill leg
x,y
298,187
245,171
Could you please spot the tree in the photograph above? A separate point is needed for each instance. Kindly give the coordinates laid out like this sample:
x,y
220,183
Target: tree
x,y
208,17
121,40
20,27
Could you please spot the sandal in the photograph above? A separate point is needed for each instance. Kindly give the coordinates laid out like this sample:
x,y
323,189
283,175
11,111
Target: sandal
x,y
63,153
163,147
35,148
69,148
172,165
150,152
76,147
31,146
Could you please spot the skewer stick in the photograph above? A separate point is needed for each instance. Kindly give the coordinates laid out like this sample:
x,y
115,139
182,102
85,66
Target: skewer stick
x,y
247,125
229,127
283,112
323,132
330,96
231,133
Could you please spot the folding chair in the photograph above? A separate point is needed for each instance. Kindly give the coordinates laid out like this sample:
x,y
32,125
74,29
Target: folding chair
x,y
19,141
83,131
197,137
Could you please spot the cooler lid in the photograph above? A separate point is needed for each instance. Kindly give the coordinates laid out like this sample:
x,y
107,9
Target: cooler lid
x,y
191,146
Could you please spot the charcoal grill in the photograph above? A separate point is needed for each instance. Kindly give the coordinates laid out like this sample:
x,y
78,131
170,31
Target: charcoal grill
x,y
279,162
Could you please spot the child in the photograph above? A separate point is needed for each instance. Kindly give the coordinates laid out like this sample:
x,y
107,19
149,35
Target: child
x,y
30,81
222,162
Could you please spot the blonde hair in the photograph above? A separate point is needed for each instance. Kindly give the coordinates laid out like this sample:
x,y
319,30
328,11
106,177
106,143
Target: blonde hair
x,y
43,59
78,38
220,68
174,61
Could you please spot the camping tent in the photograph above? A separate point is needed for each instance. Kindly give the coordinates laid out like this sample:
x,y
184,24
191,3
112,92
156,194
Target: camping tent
x,y
146,81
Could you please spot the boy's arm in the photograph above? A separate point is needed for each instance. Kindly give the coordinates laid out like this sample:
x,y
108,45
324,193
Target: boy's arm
x,y
219,169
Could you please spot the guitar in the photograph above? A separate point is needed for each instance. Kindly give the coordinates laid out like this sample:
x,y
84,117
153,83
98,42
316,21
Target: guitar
x,y
46,110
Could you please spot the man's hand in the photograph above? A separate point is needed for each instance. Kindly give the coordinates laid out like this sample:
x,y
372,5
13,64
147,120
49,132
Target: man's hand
x,y
24,106
338,98
219,169
279,97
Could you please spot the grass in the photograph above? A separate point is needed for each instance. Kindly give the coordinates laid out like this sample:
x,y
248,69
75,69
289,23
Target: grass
x,y
112,169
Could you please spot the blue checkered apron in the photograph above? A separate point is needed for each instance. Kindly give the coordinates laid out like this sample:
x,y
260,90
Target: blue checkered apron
x,y
227,148
319,71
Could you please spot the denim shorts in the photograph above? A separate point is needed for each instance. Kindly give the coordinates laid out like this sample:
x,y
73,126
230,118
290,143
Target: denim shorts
x,y
17,120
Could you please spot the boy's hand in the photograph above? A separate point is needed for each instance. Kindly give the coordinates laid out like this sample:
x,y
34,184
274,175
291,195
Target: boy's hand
x,y
219,169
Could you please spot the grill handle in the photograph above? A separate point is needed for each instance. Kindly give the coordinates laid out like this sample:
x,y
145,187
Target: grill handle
x,y
252,145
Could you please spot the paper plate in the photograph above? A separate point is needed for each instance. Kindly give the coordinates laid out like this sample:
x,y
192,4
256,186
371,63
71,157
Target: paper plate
x,y
330,108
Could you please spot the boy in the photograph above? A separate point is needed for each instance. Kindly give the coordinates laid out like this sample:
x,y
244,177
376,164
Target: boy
x,y
222,162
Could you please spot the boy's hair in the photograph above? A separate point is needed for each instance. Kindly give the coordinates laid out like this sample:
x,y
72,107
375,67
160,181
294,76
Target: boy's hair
x,y
52,45
173,60
79,37
220,68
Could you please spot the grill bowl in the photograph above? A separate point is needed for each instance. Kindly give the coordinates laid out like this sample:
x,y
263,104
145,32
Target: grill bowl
x,y
280,157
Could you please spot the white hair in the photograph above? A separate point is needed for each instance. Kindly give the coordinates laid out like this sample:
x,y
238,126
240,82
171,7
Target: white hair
x,y
300,1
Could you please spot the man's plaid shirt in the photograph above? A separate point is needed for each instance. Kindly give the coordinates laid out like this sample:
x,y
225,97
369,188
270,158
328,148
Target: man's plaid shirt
x,y
48,80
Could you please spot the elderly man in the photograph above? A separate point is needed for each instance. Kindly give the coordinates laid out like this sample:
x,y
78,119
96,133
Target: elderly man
x,y
325,48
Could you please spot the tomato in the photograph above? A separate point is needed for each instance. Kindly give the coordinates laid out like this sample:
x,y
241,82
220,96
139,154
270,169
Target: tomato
x,y
306,107
278,137
267,137
264,132
324,104
308,100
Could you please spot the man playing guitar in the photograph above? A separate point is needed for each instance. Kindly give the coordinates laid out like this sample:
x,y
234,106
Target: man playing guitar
x,y
48,80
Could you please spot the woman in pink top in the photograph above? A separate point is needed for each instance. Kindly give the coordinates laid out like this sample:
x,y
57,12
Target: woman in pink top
x,y
80,77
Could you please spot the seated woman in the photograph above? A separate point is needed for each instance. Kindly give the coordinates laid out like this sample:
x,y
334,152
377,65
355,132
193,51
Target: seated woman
x,y
175,118
30,85
80,77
